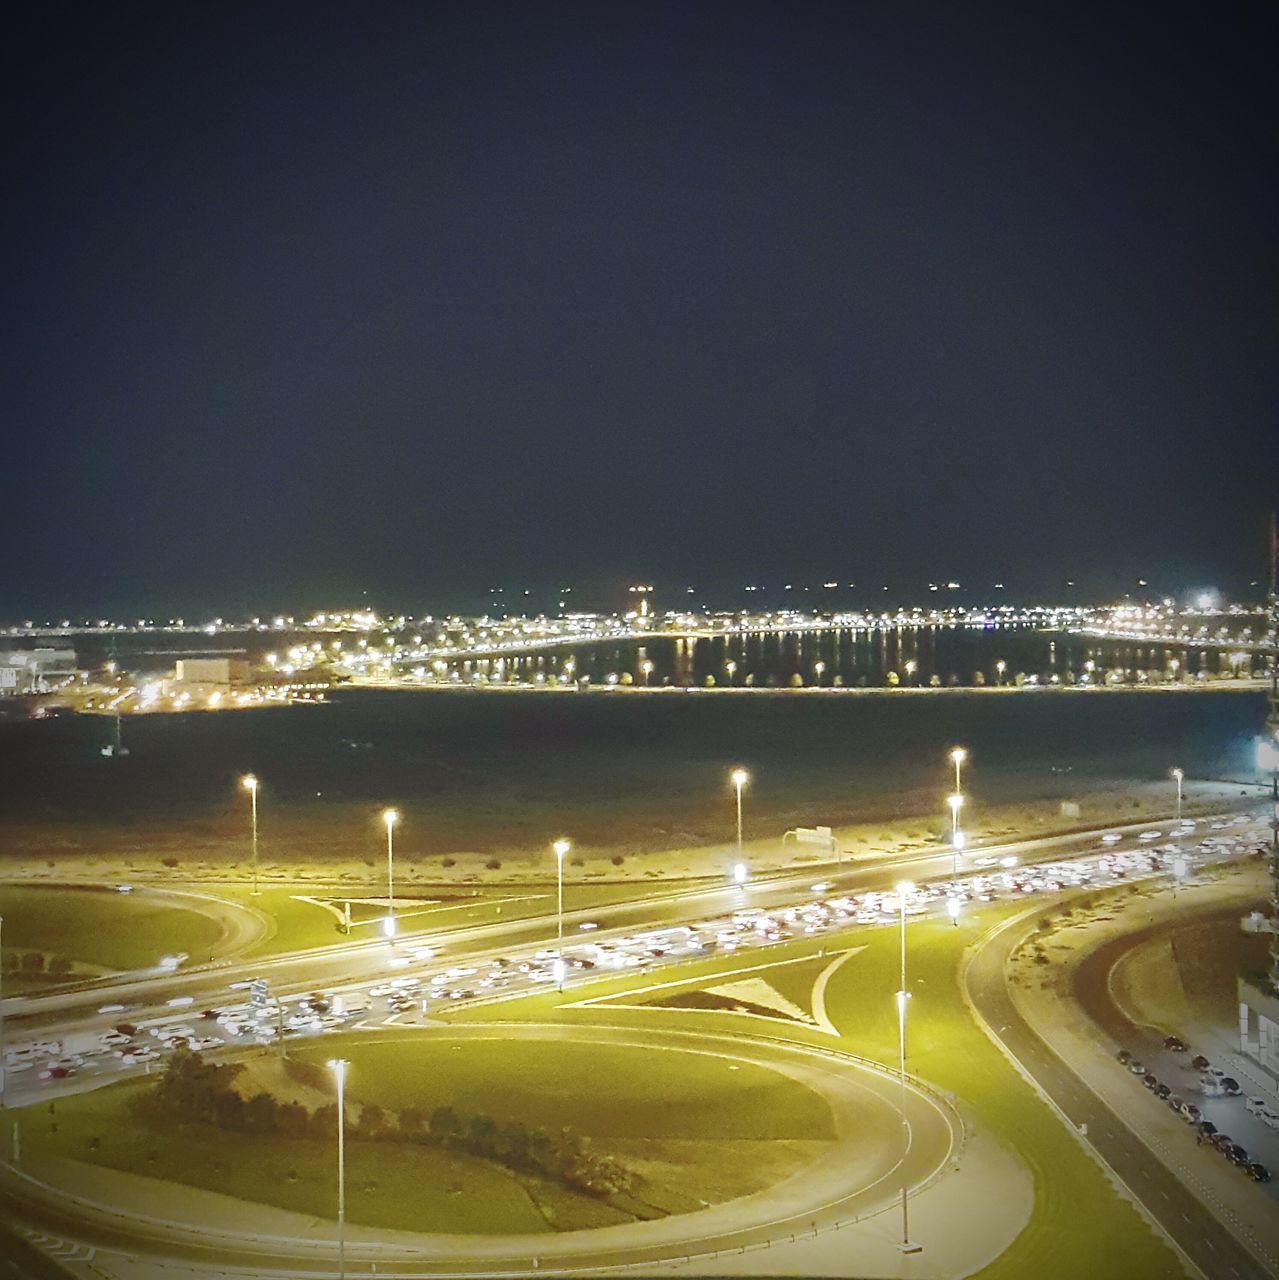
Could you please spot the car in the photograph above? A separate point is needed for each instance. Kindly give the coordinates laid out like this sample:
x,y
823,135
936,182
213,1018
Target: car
x,y
1150,835
1222,1141
1207,1128
1175,1044
1258,1172
1176,1103
1231,1086
1111,837
1150,1080
1210,1087
1162,1091
1135,1067
1200,1063
1125,1057
1237,1155
1191,1112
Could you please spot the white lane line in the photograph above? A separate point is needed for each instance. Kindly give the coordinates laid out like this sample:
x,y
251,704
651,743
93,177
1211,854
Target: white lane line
x,y
819,990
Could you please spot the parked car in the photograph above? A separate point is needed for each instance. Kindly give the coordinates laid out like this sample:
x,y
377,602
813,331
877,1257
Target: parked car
x,y
1162,1091
1175,1043
1222,1141
1258,1172
1176,1103
1191,1112
1231,1086
1136,1067
1125,1057
1150,1080
1237,1155
1200,1063
1207,1128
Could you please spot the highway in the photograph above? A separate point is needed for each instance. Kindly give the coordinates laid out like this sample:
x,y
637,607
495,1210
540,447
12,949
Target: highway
x,y
1197,1232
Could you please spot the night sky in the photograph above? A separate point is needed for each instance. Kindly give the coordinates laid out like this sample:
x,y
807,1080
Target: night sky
x,y
306,301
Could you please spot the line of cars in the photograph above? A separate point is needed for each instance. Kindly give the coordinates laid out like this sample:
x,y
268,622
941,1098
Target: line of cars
x,y
407,993
1213,1082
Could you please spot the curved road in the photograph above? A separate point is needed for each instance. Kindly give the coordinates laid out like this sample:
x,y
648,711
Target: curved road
x,y
1197,1231
840,1185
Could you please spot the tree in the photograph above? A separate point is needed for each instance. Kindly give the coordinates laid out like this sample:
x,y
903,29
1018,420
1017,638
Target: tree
x,y
445,1125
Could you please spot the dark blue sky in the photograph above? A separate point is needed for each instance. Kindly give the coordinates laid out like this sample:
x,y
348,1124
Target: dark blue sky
x,y
307,300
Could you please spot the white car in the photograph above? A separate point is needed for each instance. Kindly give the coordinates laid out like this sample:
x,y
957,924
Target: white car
x,y
1111,837
1150,835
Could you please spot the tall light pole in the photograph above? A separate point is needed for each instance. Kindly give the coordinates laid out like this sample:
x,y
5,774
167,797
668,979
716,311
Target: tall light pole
x,y
903,888
560,848
390,817
250,784
647,668
338,1067
1000,667
957,757
3,1072
739,778
1177,775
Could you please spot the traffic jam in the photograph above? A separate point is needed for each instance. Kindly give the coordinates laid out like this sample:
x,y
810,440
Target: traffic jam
x,y
420,984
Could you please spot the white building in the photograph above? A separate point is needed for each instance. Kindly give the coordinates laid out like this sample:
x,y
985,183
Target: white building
x,y
24,671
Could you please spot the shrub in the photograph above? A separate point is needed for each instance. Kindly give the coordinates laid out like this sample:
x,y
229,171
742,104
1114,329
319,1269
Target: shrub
x,y
448,862
617,859
169,862
493,864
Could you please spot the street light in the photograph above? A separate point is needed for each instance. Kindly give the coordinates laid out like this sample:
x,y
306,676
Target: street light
x,y
739,873
647,668
731,668
902,889
910,671
390,817
818,668
560,848
338,1067
1000,667
1177,775
957,757
250,784
739,778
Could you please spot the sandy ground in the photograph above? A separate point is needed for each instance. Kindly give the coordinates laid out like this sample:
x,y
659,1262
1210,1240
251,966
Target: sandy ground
x,y
201,859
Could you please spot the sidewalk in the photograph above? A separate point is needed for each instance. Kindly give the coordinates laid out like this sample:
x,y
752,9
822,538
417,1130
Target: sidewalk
x,y
1045,999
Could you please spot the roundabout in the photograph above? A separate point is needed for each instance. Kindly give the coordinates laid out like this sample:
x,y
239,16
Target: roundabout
x,y
883,1134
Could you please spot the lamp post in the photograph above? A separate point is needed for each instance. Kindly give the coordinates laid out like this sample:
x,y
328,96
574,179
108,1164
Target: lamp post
x,y
957,757
739,778
647,668
1000,667
338,1067
910,671
818,669
390,817
1177,775
250,784
561,848
903,888
731,668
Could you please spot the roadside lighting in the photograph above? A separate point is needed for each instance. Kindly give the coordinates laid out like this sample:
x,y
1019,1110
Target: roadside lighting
x,y
731,668
560,849
558,969
250,784
903,888
390,817
338,1067
739,778
1177,775
952,910
1000,667
739,873
818,668
910,670
647,668
957,757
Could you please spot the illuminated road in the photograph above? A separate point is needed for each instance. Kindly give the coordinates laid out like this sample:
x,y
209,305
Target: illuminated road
x,y
1199,1234
855,1177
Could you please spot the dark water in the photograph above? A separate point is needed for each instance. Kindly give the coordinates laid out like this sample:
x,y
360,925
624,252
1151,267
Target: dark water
x,y
477,769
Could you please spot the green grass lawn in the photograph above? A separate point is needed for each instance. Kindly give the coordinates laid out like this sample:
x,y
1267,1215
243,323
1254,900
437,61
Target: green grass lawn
x,y
1079,1226
98,927
599,1091
389,1185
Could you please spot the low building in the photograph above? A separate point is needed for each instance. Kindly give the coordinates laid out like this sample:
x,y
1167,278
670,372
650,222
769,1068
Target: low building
x,y
220,673
27,671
